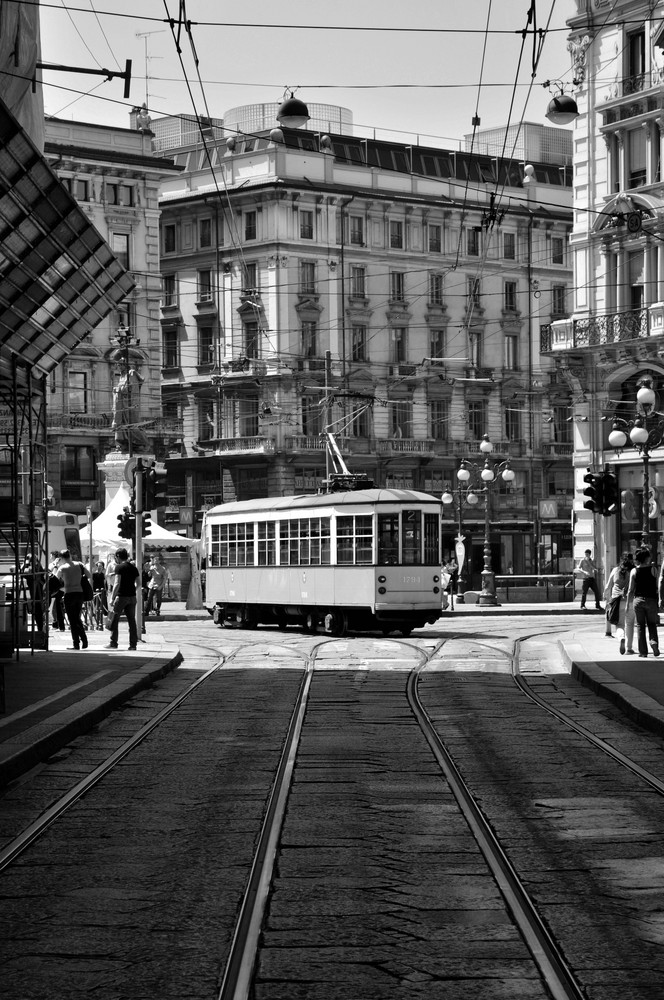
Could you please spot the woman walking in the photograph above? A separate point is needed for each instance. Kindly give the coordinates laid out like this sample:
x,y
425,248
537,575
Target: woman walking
x,y
71,572
620,611
643,590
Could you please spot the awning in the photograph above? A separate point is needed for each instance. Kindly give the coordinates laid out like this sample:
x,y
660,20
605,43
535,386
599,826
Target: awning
x,y
58,276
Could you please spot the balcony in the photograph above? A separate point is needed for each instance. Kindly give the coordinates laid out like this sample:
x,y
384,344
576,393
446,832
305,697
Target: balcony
x,y
242,446
406,446
311,364
557,449
602,331
172,427
244,367
403,368
78,421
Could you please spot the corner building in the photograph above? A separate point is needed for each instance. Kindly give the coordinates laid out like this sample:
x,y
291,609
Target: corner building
x,y
613,341
425,273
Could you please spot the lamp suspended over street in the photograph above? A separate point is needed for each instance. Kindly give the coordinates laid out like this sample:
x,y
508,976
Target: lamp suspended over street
x,y
562,109
646,432
292,113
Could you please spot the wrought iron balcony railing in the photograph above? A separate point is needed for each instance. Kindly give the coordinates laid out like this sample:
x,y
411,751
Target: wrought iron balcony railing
x,y
601,331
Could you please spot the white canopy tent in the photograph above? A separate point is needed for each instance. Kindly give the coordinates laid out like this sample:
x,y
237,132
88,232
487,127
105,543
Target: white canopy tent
x,y
105,537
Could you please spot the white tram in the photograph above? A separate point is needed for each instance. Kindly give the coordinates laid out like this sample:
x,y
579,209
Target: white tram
x,y
362,560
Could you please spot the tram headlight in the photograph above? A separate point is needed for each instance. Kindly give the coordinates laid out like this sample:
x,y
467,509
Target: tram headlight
x,y
382,579
436,590
382,590
436,579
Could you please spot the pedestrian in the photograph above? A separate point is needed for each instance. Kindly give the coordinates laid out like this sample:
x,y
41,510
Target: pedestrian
x,y
452,567
70,571
124,598
33,580
155,587
615,596
643,590
56,594
100,604
588,571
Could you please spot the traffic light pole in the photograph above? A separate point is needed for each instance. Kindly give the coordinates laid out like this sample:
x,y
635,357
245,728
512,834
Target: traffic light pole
x,y
138,543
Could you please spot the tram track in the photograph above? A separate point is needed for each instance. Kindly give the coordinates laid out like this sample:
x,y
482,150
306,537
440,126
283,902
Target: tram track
x,y
240,963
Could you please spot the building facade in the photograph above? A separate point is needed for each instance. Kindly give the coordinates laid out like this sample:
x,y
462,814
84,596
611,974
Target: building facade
x,y
115,178
391,293
613,341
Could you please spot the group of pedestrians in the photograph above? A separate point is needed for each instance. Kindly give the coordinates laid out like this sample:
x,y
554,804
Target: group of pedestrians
x,y
632,595
115,588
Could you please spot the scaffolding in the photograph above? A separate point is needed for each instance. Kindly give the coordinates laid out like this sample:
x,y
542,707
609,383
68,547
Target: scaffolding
x,y
23,512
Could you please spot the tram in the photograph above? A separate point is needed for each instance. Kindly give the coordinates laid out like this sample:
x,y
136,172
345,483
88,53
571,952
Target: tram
x,y
362,559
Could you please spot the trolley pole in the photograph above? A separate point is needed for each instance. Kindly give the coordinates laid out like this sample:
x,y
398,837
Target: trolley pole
x,y
138,544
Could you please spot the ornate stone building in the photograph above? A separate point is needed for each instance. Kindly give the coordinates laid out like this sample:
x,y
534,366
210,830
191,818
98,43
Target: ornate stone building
x,y
105,396
613,341
392,293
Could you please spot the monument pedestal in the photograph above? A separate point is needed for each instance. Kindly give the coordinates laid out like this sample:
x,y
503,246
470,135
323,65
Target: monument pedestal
x,y
117,468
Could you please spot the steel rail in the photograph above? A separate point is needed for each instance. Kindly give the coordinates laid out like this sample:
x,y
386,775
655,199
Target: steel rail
x,y
236,982
11,851
548,956
650,779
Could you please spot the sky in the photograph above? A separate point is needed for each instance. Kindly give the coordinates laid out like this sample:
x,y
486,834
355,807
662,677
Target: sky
x,y
403,84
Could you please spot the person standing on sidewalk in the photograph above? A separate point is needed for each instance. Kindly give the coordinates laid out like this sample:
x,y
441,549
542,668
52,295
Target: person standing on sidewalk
x,y
70,572
155,588
615,596
588,572
124,598
643,590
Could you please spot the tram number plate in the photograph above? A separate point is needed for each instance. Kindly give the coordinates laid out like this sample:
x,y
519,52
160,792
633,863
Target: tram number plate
x,y
412,579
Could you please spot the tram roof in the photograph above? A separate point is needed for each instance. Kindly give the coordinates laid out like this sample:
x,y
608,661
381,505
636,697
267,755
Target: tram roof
x,y
307,500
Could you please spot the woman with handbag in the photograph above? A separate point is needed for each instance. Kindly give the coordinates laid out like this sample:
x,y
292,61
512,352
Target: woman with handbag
x,y
75,577
620,612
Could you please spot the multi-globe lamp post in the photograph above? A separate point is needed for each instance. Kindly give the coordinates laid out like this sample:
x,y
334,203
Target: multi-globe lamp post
x,y
644,438
488,474
463,494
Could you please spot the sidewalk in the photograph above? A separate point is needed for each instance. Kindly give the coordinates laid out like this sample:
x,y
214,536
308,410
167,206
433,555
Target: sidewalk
x,y
52,697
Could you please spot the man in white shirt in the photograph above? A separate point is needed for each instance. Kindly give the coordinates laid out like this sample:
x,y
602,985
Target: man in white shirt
x,y
588,572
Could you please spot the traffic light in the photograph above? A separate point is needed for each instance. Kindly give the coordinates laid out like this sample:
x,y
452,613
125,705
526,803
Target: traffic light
x,y
593,492
146,525
126,524
154,488
609,494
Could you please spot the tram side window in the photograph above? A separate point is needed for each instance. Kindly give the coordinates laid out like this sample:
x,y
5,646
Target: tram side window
x,y
388,539
354,540
215,545
412,537
431,540
232,545
305,542
267,544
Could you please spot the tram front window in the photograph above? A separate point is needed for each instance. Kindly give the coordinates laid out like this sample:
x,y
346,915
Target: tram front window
x,y
412,538
388,539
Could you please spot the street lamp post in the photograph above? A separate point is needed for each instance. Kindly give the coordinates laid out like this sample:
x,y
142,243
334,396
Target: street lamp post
x,y
464,495
488,475
644,435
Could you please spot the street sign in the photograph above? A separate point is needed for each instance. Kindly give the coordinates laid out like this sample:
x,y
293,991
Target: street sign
x,y
129,471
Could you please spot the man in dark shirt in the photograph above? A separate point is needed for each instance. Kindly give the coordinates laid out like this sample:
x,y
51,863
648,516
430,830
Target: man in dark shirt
x,y
123,598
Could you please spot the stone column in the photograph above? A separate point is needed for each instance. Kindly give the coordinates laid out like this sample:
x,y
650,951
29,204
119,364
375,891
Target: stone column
x,y
622,176
621,280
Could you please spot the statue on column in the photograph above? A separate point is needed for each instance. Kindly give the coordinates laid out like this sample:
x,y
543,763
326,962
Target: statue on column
x,y
126,411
